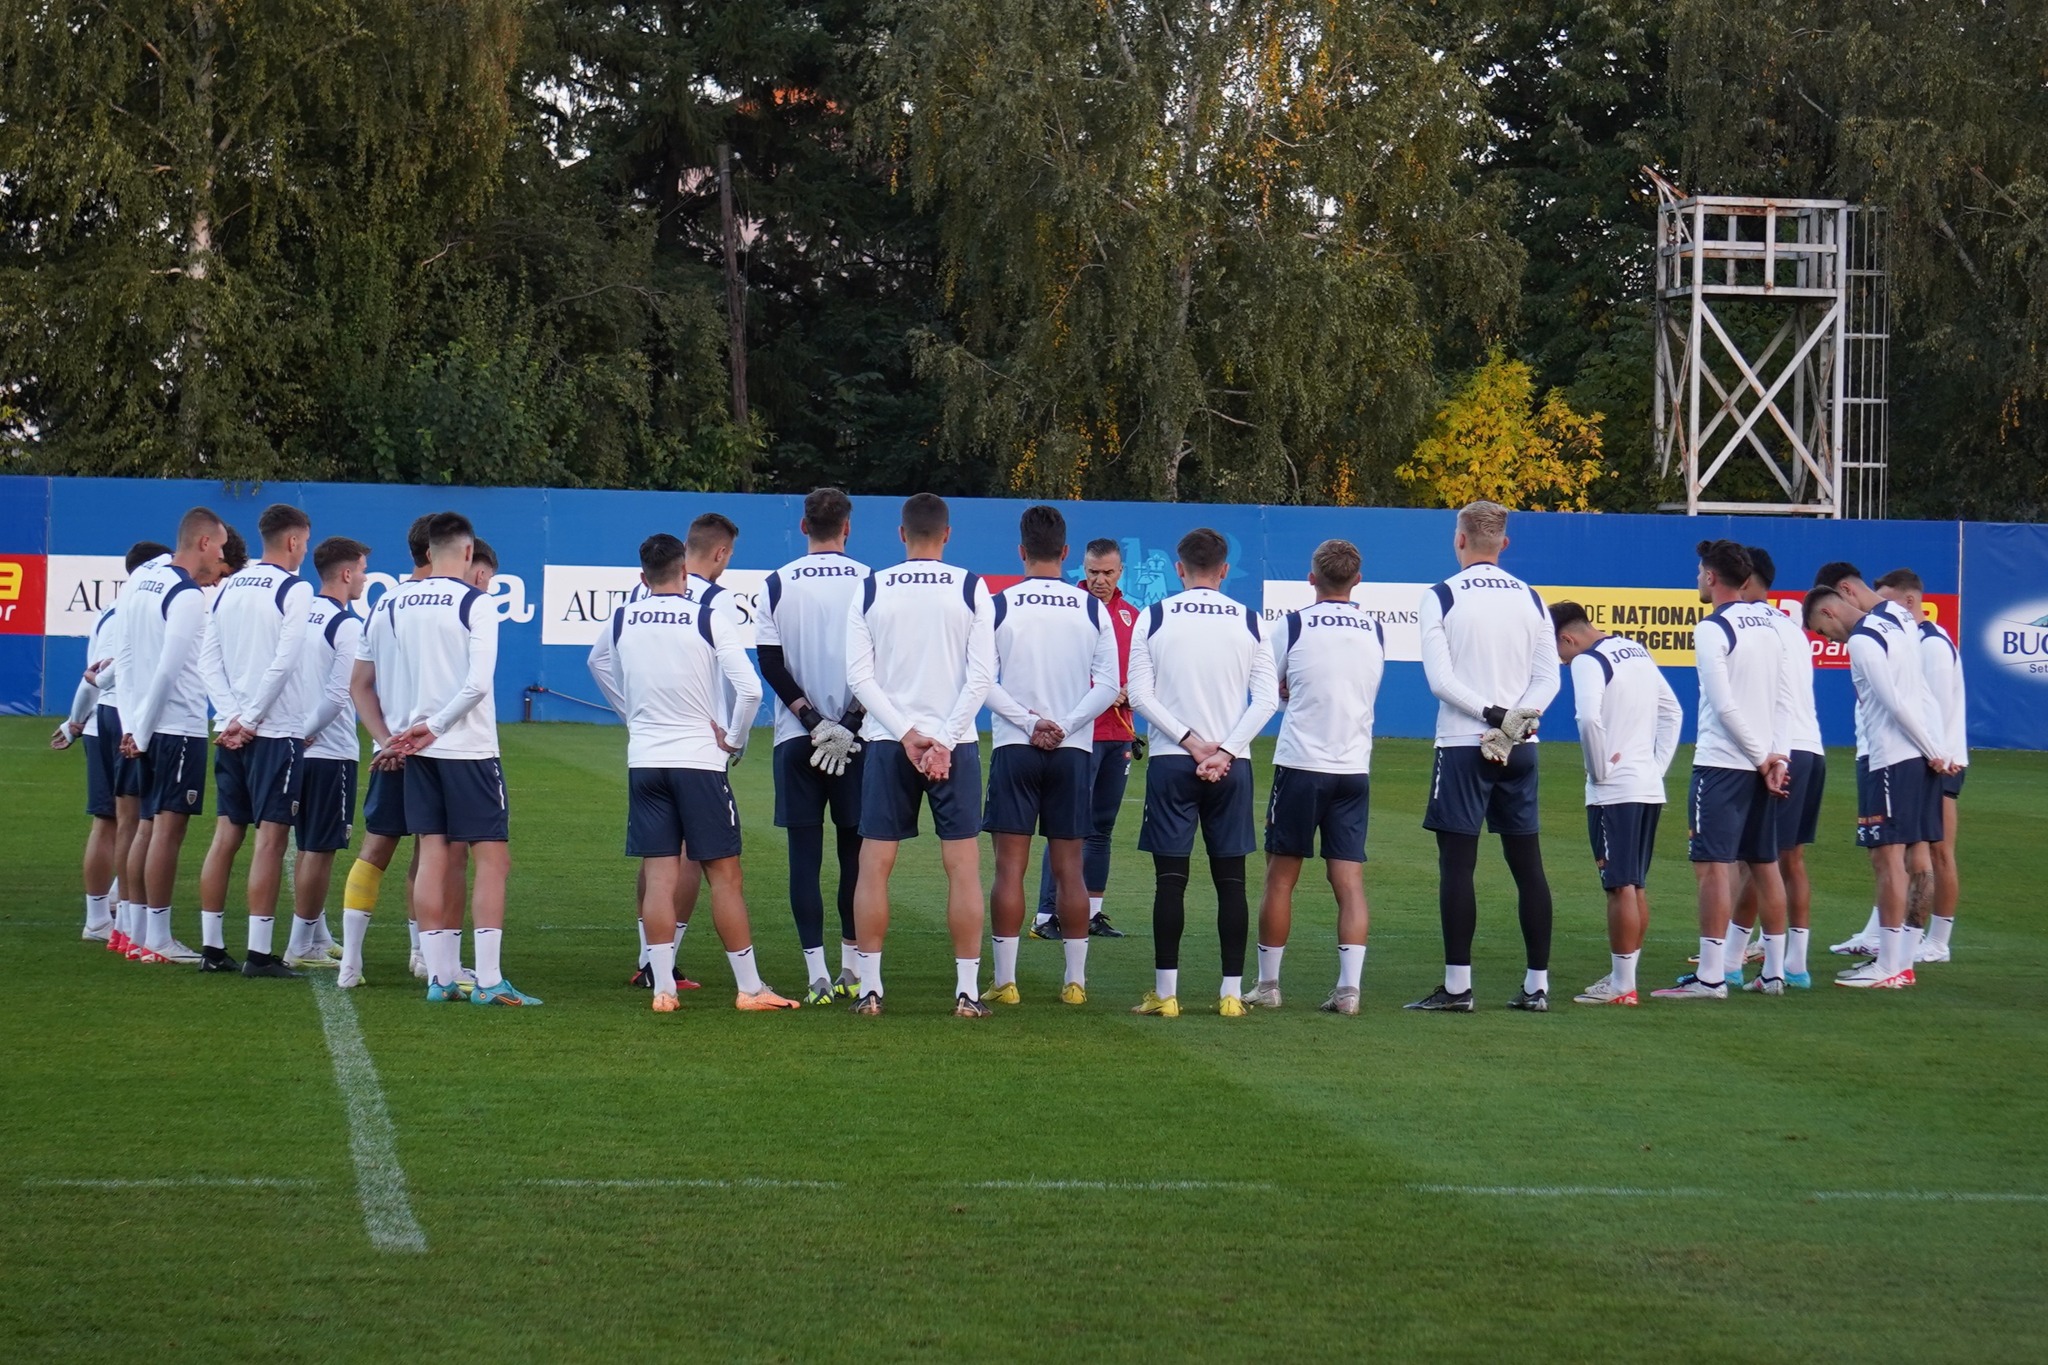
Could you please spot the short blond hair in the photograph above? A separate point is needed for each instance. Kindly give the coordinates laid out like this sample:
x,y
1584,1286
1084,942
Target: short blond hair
x,y
1485,524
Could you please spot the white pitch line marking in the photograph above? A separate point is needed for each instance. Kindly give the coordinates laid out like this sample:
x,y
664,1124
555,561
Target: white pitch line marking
x,y
1114,1186
1935,1196
737,1183
176,1182
1568,1191
372,1143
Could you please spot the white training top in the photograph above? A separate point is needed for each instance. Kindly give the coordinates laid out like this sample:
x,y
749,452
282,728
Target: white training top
x,y
327,656
1942,668
1486,641
1804,735
376,642
158,662
1892,706
441,645
806,605
87,700
1055,660
251,656
1745,686
673,656
1629,722
1328,658
920,650
1197,663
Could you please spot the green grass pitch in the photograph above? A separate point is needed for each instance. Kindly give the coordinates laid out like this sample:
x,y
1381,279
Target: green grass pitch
x,y
1840,1175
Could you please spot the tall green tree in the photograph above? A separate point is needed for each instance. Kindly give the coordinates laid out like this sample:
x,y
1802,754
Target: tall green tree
x,y
190,188
1192,248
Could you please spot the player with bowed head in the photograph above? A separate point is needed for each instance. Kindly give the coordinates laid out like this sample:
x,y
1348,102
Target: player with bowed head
x,y
920,657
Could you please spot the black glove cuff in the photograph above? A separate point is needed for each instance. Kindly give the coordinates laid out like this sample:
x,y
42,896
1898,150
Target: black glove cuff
x,y
855,715
809,717
1495,716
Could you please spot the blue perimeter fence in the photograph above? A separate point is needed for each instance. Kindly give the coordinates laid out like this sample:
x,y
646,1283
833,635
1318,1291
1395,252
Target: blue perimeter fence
x,y
569,555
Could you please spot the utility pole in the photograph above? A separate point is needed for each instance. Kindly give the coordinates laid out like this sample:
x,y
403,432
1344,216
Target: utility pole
x,y
735,295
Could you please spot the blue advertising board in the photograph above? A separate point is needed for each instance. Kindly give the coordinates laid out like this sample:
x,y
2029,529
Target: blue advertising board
x,y
568,555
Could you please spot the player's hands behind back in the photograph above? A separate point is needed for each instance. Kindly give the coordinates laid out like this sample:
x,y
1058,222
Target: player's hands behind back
x,y
832,747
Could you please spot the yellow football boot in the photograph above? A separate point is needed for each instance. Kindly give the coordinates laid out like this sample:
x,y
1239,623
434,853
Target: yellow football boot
x,y
1073,993
1169,1008
1232,1007
1003,995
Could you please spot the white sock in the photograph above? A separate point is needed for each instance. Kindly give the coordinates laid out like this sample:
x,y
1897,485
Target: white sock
x,y
1166,982
442,949
1076,950
99,912
124,915
1457,980
1624,969
299,943
1269,962
1534,981
1939,927
1094,907
487,943
261,929
323,937
814,964
1042,918
867,968
1350,966
1795,950
1774,955
412,932
1712,953
967,976
114,895
213,929
682,927
1734,950
1872,929
745,974
1006,960
159,926
640,928
1232,985
661,960
1892,953
849,959
355,926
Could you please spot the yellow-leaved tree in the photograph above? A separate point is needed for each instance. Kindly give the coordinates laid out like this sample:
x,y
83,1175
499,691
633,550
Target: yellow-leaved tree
x,y
1492,440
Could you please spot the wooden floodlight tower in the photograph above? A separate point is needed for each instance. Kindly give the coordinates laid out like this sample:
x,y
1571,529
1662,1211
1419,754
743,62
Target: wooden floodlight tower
x,y
1773,339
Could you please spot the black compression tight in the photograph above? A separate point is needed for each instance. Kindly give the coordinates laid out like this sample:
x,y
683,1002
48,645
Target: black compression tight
x,y
806,894
1457,856
1169,910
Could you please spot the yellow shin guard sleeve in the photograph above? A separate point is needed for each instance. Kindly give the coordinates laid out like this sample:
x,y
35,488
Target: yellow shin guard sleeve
x,y
365,879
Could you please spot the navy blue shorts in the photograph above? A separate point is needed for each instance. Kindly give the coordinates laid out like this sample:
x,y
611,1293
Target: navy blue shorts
x,y
1036,791
670,809
1464,788
1799,812
127,771
327,804
258,784
1732,817
1303,804
1624,839
1900,804
174,776
891,789
384,805
803,795
99,775
1952,785
1176,800
460,799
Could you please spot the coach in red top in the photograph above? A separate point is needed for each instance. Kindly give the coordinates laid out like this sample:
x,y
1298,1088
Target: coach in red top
x,y
1114,737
